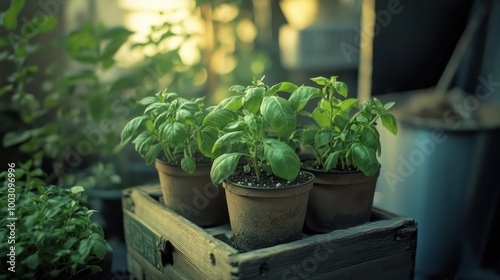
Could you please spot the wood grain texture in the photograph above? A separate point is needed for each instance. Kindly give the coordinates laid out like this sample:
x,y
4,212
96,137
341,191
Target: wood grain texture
x,y
381,249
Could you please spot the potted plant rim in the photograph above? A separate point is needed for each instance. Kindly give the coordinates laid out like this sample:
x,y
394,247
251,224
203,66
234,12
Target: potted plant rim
x,y
165,134
51,234
344,145
248,134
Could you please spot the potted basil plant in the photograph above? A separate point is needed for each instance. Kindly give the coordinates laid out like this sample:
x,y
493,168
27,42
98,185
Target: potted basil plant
x,y
165,134
345,145
249,136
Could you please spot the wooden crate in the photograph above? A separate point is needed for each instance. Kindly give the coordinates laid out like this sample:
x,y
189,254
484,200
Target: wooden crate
x,y
163,245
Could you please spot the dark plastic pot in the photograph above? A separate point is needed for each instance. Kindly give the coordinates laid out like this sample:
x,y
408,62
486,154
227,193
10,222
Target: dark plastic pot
x,y
266,217
339,200
193,196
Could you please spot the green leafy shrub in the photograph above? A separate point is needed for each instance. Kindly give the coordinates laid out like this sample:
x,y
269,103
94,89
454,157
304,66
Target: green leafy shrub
x,y
344,140
255,127
167,129
55,237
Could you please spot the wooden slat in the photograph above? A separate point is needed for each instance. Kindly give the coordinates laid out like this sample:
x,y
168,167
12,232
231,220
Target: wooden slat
x,y
393,267
193,247
329,252
149,272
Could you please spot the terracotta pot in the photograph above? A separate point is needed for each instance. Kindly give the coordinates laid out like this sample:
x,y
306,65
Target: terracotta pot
x,y
266,217
193,196
339,200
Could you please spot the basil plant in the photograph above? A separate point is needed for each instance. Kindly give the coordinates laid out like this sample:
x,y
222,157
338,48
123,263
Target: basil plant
x,y
254,128
166,130
343,140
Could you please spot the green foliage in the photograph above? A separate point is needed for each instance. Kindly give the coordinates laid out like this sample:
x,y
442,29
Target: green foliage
x,y
167,128
77,101
55,237
256,125
86,102
343,140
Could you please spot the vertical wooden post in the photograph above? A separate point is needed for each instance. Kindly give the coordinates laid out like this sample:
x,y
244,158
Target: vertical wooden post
x,y
366,50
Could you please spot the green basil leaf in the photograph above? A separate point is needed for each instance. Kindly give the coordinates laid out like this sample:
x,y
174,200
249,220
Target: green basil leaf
x,y
252,99
238,89
175,133
148,100
365,159
323,137
321,117
341,88
227,139
152,153
331,161
282,87
188,164
232,103
280,116
223,167
284,161
220,118
206,137
322,81
301,96
389,122
130,128
388,105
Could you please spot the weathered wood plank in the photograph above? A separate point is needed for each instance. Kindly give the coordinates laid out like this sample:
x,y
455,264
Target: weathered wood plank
x,y
393,267
195,251
327,252
149,272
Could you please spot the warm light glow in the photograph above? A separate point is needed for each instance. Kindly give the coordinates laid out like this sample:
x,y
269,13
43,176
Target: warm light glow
x,y
246,30
190,53
225,12
155,5
299,13
139,16
222,62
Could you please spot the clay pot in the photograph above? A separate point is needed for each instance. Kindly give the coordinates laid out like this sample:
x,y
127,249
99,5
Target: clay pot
x,y
339,200
263,217
193,196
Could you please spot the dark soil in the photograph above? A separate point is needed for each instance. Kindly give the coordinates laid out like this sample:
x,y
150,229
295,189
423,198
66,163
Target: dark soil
x,y
266,181
311,164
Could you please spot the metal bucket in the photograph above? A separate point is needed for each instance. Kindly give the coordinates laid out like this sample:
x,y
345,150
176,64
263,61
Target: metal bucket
x,y
442,173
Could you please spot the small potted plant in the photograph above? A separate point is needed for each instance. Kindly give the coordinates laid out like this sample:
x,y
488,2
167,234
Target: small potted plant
x,y
53,234
165,134
345,146
249,136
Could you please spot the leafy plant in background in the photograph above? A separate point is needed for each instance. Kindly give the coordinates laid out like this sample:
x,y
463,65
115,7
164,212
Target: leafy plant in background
x,y
342,140
85,102
256,126
55,235
166,130
16,50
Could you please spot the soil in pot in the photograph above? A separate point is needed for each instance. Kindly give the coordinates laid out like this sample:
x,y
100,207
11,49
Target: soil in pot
x,y
339,200
193,196
267,215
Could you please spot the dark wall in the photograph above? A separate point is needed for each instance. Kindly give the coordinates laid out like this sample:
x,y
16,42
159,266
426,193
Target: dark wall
x,y
413,45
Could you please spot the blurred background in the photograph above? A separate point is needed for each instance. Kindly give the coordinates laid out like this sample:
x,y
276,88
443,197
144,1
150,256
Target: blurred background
x,y
72,71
